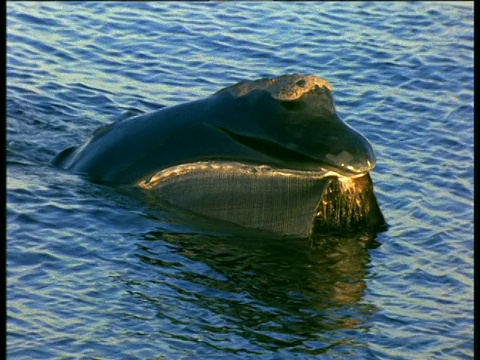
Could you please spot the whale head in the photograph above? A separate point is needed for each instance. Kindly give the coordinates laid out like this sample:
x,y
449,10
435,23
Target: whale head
x,y
269,154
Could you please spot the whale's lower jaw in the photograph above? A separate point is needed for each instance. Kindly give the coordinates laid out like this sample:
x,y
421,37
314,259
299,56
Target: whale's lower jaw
x,y
281,201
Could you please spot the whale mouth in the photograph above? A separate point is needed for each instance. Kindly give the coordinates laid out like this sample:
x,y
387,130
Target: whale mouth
x,y
296,161
262,197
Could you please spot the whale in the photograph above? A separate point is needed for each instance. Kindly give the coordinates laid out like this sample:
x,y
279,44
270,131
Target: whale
x,y
270,154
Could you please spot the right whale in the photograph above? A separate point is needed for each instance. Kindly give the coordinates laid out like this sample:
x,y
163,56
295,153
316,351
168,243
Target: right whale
x,y
270,154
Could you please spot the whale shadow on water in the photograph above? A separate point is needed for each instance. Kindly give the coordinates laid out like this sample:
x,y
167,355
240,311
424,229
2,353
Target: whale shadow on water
x,y
269,155
299,293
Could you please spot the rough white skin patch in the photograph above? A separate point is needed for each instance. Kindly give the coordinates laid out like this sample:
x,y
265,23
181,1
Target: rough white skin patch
x,y
285,88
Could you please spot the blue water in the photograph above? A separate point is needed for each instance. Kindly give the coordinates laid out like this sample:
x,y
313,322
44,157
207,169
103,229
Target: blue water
x,y
91,273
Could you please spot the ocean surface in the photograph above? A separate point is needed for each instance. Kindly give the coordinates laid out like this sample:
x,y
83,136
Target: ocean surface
x,y
92,274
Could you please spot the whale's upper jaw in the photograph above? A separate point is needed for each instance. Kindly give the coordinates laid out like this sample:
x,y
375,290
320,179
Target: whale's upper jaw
x,y
302,125
342,164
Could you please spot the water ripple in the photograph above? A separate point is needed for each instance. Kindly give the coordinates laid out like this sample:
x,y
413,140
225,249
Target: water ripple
x,y
94,272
